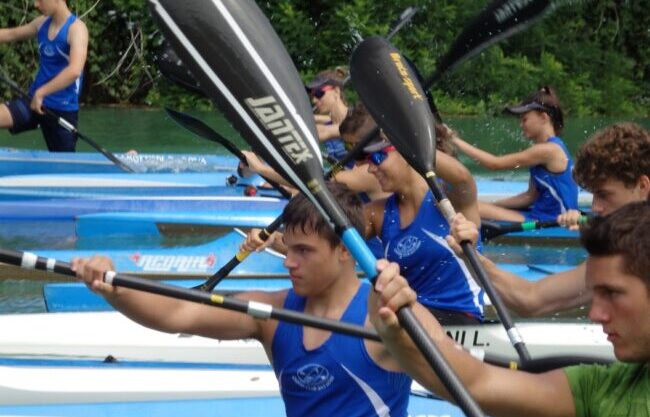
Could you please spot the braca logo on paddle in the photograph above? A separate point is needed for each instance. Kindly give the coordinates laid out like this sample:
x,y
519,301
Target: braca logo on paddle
x,y
271,115
407,81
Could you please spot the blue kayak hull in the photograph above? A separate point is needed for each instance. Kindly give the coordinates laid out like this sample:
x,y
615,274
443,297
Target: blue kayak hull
x,y
64,209
152,224
172,199
27,162
248,407
188,261
120,186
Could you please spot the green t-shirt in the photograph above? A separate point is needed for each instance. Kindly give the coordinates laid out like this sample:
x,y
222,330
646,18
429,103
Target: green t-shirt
x,y
616,390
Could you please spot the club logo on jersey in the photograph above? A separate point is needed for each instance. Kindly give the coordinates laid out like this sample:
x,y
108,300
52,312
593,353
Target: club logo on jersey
x,y
508,9
174,263
273,118
313,377
407,246
47,50
406,77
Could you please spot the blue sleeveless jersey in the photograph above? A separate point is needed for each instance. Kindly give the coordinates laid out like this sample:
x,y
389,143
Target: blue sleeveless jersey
x,y
336,149
440,279
339,378
557,192
54,57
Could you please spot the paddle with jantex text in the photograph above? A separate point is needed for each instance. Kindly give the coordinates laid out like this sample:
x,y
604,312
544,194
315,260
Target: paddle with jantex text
x,y
235,55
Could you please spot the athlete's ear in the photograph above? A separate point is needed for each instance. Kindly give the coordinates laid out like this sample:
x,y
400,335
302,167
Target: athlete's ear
x,y
344,253
643,183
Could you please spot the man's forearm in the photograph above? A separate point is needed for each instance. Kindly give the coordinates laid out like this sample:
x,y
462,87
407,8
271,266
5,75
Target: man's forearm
x,y
513,289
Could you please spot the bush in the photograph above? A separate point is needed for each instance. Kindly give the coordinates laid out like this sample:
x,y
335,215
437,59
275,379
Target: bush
x,y
597,54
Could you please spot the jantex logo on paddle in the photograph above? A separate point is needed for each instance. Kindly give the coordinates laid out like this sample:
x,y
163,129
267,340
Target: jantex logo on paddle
x,y
406,78
269,112
174,263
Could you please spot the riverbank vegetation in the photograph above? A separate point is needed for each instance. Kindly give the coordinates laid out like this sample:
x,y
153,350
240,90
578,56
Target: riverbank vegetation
x,y
596,53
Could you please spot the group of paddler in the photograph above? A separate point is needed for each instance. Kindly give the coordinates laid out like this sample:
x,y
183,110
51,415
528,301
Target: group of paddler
x,y
424,273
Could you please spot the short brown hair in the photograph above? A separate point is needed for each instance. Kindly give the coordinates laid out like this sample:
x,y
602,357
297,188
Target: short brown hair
x,y
625,232
620,151
358,122
301,212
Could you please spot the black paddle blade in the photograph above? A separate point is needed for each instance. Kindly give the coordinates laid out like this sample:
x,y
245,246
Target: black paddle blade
x,y
233,52
172,68
502,18
388,87
241,64
200,129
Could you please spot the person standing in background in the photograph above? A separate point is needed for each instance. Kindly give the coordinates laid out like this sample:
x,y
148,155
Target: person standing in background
x,y
63,48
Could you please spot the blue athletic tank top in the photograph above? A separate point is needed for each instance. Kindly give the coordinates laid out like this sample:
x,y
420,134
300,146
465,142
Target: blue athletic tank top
x,y
54,57
557,192
440,279
339,378
335,148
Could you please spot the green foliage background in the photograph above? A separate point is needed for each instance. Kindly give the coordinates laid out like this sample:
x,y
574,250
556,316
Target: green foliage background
x,y
596,53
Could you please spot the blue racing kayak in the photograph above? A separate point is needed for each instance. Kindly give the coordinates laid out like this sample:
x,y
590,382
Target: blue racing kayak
x,y
116,186
26,162
183,261
68,209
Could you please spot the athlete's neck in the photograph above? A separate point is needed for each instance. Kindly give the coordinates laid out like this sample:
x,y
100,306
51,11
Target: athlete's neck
x,y
333,300
339,112
61,15
544,135
414,189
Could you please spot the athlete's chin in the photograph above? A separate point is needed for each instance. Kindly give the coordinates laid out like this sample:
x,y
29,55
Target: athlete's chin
x,y
386,186
625,354
299,289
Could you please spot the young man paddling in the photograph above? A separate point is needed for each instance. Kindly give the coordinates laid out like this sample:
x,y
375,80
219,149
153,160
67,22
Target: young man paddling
x,y
320,373
62,46
615,166
618,275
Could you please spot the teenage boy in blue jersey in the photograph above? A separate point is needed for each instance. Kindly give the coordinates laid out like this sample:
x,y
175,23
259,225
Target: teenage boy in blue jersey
x,y
62,46
320,373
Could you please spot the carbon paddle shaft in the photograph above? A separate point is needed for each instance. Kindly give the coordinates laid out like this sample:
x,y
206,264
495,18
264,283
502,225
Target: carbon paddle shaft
x,y
30,261
258,310
215,279
472,257
491,230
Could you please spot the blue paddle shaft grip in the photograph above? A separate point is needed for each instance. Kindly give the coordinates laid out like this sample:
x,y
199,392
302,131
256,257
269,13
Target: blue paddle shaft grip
x,y
360,251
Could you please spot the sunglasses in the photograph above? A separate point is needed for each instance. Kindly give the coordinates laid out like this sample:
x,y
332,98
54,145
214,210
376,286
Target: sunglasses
x,y
376,158
320,92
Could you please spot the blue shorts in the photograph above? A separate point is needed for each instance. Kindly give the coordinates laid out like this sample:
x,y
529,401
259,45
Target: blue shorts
x,y
56,137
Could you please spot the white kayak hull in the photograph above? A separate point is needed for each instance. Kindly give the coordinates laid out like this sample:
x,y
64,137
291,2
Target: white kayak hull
x,y
103,334
20,385
138,391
